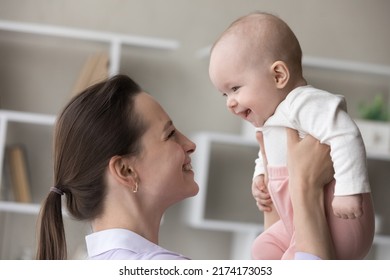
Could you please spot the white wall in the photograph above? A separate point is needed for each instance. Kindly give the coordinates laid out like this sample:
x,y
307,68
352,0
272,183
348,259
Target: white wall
x,y
350,29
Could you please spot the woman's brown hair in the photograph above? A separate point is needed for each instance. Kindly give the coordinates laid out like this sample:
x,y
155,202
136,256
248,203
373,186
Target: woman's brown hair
x,y
94,126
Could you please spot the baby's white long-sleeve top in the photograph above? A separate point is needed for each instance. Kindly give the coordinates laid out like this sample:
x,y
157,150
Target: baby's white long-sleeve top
x,y
324,116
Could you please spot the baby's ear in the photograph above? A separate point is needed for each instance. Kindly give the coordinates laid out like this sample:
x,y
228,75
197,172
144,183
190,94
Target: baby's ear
x,y
281,74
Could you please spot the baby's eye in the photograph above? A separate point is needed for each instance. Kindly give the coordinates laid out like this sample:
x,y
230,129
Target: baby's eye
x,y
234,89
224,94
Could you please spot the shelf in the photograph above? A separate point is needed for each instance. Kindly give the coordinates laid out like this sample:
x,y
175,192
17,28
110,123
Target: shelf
x,y
114,39
24,208
7,116
26,117
222,201
380,239
218,155
346,65
378,156
376,137
15,207
90,35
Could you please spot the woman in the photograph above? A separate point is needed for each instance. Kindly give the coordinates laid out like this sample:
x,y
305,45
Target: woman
x,y
121,163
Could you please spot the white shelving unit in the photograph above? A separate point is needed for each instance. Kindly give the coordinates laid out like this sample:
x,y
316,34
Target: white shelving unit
x,y
114,42
198,208
225,205
7,117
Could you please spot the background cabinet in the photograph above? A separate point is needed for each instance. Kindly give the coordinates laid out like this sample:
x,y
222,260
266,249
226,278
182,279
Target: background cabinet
x,y
28,112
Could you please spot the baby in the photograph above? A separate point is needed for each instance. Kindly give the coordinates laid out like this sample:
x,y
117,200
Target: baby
x,y
256,64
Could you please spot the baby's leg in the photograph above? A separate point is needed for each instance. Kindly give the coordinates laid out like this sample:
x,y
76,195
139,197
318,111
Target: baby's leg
x,y
352,238
272,243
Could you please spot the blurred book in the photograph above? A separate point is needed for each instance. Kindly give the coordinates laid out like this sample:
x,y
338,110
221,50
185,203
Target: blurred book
x,y
18,173
95,70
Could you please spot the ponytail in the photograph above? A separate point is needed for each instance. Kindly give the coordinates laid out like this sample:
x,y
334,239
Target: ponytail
x,y
52,243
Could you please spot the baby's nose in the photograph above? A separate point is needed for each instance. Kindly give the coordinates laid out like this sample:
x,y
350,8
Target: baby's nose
x,y
231,102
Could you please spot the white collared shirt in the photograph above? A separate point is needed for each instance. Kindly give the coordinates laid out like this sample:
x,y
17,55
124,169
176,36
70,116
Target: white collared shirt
x,y
123,244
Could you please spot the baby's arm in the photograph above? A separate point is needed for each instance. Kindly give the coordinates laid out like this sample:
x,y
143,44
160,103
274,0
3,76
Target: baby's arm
x,y
264,201
325,117
259,187
348,206
260,181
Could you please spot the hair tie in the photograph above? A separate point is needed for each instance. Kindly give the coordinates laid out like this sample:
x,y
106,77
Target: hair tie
x,y
56,190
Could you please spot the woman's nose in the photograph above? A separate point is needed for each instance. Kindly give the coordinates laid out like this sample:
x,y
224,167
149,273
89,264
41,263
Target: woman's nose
x,y
190,147
187,144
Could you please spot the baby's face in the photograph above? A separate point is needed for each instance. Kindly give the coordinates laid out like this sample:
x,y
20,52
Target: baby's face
x,y
249,87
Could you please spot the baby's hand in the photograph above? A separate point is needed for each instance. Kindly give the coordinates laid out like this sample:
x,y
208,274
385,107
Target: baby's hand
x,y
348,207
261,195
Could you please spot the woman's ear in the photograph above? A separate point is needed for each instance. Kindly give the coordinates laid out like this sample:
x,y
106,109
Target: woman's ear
x,y
123,172
280,73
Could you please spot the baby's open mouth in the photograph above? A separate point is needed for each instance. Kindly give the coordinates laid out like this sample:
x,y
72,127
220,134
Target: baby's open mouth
x,y
247,112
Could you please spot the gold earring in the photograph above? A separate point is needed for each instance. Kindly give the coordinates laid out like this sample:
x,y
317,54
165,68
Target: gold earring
x,y
135,188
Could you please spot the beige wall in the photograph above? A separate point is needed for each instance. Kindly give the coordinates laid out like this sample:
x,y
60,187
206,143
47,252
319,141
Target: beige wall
x,y
350,29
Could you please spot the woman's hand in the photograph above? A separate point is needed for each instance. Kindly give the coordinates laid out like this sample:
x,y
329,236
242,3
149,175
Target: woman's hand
x,y
310,168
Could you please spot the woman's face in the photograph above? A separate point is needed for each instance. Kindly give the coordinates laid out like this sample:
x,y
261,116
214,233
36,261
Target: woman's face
x,y
164,165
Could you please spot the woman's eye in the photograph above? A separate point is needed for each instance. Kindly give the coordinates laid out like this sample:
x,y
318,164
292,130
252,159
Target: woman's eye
x,y
172,133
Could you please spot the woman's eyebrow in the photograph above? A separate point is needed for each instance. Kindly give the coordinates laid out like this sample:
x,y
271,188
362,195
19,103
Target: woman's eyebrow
x,y
168,124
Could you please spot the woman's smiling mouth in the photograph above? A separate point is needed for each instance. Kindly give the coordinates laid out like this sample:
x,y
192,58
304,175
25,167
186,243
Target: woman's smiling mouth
x,y
187,167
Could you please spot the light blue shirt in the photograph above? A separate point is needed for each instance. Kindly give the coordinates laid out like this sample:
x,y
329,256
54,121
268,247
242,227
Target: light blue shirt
x,y
123,244
305,256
